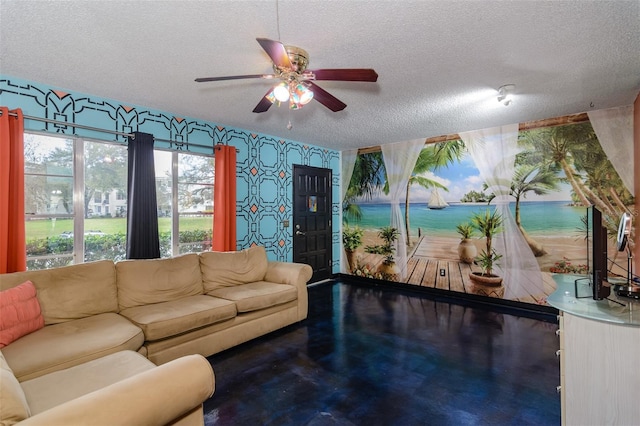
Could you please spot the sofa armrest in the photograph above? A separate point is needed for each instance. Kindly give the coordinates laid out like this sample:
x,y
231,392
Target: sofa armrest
x,y
155,397
296,274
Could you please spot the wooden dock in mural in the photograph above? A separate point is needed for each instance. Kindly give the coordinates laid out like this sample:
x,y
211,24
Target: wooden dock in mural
x,y
434,263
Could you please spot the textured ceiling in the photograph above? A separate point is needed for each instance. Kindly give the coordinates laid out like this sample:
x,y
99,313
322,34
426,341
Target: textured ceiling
x,y
439,62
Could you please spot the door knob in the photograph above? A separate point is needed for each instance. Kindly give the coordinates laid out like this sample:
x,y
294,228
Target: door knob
x,y
300,233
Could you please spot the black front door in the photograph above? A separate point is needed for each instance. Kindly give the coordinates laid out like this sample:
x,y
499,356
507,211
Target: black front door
x,y
312,219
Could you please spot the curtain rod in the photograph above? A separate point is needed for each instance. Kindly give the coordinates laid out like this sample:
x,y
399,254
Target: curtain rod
x,y
527,125
113,132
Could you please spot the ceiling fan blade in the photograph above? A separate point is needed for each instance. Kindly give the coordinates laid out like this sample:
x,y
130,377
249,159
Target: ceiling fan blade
x,y
276,52
264,103
235,77
326,98
346,74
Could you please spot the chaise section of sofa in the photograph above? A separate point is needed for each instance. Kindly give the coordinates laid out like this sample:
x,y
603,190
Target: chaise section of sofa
x,y
120,388
79,304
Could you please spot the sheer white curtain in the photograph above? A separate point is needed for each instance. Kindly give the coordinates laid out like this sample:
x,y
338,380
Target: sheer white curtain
x,y
614,129
346,171
399,161
494,152
348,163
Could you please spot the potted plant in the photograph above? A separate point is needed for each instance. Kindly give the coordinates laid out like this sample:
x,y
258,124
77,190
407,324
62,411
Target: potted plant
x,y
467,250
351,240
488,224
389,269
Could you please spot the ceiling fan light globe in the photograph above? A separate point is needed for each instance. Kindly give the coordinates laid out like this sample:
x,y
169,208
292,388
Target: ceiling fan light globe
x,y
281,92
301,94
307,98
306,94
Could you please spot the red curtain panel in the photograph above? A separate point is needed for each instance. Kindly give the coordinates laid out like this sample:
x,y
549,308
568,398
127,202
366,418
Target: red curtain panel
x,y
224,199
13,250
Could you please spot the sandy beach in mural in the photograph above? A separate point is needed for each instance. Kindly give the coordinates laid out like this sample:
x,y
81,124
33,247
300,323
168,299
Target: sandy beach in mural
x,y
446,248
429,254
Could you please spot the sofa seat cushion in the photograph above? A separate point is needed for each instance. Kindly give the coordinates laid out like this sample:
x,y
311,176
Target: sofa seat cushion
x,y
53,389
257,295
161,320
59,346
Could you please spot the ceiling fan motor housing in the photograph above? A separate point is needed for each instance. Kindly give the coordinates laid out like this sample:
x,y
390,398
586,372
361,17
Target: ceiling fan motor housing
x,y
298,57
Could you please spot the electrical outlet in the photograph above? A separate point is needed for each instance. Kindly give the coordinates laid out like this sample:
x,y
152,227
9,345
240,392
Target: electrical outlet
x,y
443,272
285,223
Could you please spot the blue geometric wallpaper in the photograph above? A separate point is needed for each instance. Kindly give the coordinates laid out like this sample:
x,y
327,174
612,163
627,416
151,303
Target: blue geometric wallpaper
x,y
264,163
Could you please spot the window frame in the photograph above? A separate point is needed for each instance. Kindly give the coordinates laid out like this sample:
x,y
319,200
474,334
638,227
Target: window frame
x,y
78,178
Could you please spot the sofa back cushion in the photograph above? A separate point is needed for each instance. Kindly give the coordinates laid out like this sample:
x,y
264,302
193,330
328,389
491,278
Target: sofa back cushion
x,y
71,292
229,268
20,313
13,403
142,282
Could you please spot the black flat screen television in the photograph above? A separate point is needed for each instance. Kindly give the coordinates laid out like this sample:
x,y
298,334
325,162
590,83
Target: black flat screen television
x,y
597,254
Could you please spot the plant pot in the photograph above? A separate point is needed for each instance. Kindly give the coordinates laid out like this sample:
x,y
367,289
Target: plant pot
x,y
390,271
484,279
484,285
467,251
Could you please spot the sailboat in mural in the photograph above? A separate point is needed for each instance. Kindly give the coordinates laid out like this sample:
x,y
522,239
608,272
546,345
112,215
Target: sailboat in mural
x,y
436,202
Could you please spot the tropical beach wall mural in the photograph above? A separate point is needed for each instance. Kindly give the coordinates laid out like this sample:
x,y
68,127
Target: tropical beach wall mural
x,y
494,212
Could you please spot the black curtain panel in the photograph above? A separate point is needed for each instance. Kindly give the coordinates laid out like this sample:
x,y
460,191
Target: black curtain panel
x,y
143,241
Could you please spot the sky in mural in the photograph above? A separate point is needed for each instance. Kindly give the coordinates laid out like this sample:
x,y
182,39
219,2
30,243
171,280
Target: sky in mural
x,y
461,178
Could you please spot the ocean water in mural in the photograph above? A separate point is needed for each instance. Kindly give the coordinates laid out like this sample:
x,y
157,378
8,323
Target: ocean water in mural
x,y
538,217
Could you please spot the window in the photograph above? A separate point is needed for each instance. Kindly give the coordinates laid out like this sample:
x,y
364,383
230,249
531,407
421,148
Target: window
x,y
49,207
65,226
184,189
105,172
195,202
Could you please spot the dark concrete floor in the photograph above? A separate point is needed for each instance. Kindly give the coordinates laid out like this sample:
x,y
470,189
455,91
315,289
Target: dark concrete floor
x,y
373,356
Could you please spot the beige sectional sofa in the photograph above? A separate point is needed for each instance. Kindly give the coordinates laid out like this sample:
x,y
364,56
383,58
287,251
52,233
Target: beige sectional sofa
x,y
163,309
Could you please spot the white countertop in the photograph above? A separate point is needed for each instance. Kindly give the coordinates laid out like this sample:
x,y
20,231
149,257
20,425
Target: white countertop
x,y
626,312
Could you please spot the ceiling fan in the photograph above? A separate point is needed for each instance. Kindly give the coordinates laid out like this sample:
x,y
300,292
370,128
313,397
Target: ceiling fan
x,y
296,83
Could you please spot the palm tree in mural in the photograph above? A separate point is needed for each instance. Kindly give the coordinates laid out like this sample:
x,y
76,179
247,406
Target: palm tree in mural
x,y
604,181
569,147
598,178
431,158
368,178
539,180
576,151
